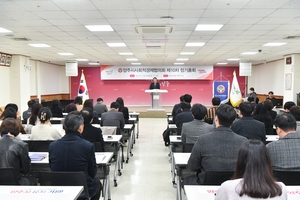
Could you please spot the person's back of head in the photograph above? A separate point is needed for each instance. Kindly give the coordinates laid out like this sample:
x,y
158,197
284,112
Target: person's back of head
x,y
87,114
12,105
286,122
55,103
44,114
288,105
120,101
99,100
88,104
246,109
30,103
181,99
250,99
187,98
34,113
78,100
251,89
199,111
115,105
185,106
216,101
295,111
73,121
254,166
226,115
268,104
9,112
70,107
10,125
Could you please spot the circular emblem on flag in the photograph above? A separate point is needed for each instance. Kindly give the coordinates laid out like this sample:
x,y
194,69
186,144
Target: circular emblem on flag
x,y
221,89
81,89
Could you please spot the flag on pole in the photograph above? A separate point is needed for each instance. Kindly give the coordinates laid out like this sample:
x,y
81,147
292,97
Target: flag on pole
x,y
235,93
82,89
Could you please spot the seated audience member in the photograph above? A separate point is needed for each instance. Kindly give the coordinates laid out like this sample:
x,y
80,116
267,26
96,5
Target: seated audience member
x,y
216,150
261,114
91,133
176,107
271,97
187,98
288,105
123,109
252,101
247,126
269,106
192,130
14,152
184,116
33,119
70,107
253,177
26,114
285,153
295,111
78,102
15,106
211,113
89,104
44,130
10,112
56,109
252,93
100,107
113,117
73,153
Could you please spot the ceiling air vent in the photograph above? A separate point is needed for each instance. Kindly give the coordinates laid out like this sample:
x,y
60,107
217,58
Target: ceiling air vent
x,y
21,39
292,37
153,29
153,47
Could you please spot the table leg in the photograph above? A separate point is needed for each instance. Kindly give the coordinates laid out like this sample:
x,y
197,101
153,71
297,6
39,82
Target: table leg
x,y
138,126
178,188
129,147
107,185
172,167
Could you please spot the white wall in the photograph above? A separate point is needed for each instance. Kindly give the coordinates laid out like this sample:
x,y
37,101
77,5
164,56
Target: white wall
x,y
5,85
268,77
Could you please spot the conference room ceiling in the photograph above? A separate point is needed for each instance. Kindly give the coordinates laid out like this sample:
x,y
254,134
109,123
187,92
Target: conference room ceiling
x,y
247,26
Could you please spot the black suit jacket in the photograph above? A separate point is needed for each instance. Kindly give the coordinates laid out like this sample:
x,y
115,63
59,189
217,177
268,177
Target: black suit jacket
x,y
154,86
93,134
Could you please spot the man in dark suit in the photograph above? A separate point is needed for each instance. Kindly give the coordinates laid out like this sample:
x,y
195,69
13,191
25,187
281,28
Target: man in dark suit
x,y
247,126
217,150
113,117
73,153
184,116
154,84
91,133
99,107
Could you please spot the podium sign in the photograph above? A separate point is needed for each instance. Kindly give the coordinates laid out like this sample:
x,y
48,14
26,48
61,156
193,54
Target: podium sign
x,y
155,97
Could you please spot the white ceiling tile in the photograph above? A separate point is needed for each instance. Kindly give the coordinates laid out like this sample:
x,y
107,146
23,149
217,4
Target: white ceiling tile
x,y
118,14
113,4
244,20
39,23
93,21
10,6
256,13
263,27
85,14
37,5
212,20
279,20
123,21
267,3
74,5
186,13
52,15
66,22
220,13
285,12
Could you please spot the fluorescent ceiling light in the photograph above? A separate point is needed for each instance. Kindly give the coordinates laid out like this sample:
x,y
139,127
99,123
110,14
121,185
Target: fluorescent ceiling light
x,y
99,28
39,45
182,59
233,59
178,63
194,44
96,63
136,63
249,53
116,44
187,53
208,27
222,63
3,30
65,54
132,59
125,53
274,44
82,59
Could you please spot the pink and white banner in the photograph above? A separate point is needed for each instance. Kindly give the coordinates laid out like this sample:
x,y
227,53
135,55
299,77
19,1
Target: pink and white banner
x,y
162,73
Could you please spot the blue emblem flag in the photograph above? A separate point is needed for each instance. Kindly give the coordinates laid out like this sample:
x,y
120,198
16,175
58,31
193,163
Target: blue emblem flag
x,y
221,89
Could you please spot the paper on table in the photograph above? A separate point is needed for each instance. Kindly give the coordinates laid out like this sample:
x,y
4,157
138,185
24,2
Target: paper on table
x,y
38,157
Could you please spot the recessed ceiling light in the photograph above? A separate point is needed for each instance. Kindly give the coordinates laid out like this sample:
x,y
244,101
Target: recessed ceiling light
x,y
99,27
121,44
182,59
82,59
3,30
178,63
39,45
125,53
194,44
222,63
65,54
233,59
96,63
208,27
132,59
249,53
136,63
274,44
187,53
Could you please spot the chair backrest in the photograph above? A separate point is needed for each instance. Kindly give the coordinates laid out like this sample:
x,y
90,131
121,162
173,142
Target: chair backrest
x,y
217,177
65,179
187,148
8,176
109,130
98,146
38,145
288,177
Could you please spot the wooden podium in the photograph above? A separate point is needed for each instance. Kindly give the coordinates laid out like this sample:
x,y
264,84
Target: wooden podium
x,y
155,98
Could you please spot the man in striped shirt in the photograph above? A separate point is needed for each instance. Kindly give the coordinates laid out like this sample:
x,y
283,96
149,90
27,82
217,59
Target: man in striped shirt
x,y
211,113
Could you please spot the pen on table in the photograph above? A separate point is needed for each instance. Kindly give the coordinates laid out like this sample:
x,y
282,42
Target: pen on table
x,y
103,158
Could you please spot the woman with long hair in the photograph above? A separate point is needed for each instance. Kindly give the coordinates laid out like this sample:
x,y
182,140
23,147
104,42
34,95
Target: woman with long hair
x,y
56,109
123,109
261,114
253,177
89,104
33,119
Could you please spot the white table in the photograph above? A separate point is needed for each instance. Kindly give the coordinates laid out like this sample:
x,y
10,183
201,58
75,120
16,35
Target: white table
x,y
136,115
172,126
272,138
129,129
207,192
173,140
40,192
